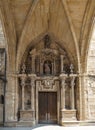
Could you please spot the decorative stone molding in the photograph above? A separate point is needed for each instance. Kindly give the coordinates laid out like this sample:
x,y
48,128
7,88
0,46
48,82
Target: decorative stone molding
x,y
48,83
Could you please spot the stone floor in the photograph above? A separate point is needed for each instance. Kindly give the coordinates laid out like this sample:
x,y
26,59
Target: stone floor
x,y
49,127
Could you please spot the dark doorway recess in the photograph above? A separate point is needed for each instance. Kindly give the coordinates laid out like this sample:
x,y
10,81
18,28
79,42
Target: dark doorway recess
x,y
47,107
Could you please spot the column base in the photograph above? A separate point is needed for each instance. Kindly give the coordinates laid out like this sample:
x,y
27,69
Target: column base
x,y
27,123
27,115
68,117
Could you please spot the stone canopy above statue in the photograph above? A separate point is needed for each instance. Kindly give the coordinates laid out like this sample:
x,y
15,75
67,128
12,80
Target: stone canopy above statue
x,y
45,58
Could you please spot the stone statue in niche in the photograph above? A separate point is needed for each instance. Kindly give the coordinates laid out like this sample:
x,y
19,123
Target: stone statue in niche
x,y
47,41
47,67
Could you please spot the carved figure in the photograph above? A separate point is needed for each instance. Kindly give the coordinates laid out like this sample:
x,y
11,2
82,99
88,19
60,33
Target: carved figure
x,y
46,68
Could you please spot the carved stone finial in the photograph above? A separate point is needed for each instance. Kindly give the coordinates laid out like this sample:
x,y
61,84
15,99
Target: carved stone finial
x,y
47,41
23,68
72,68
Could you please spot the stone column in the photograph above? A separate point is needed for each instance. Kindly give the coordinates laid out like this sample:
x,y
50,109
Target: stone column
x,y
41,67
32,94
0,62
63,80
33,64
23,85
16,96
83,96
61,57
33,78
63,94
72,76
54,67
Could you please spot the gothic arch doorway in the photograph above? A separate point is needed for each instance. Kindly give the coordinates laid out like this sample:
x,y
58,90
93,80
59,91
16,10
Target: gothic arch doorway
x,y
45,84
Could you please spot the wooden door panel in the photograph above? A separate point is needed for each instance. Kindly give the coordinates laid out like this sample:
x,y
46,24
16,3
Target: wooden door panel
x,y
42,107
52,107
47,107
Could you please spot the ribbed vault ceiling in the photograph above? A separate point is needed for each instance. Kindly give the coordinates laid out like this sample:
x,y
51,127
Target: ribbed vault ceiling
x,y
68,21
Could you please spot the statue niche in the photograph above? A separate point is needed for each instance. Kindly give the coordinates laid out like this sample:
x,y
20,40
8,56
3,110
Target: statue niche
x,y
47,67
46,58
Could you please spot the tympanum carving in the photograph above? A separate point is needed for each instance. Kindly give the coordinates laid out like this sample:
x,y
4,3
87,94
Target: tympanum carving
x,y
48,83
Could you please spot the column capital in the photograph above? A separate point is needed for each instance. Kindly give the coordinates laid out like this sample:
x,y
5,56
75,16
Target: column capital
x,y
32,77
63,76
73,77
22,76
23,79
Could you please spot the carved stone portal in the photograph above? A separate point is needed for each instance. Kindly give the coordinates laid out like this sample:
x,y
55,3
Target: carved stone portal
x,y
46,69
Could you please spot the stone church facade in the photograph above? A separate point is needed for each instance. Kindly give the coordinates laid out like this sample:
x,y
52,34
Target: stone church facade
x,y
47,62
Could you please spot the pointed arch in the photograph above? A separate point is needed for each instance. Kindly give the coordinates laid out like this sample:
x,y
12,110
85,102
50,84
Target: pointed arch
x,y
9,33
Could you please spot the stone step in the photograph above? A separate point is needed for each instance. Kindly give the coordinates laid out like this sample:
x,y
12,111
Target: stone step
x,y
87,123
25,123
70,123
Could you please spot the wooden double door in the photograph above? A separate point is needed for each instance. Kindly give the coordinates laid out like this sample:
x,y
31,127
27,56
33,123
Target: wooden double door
x,y
47,107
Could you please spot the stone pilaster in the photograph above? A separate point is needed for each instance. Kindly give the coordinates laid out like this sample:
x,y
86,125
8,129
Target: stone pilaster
x,y
54,67
23,78
33,78
72,77
32,94
63,78
41,67
33,64
10,98
62,65
82,102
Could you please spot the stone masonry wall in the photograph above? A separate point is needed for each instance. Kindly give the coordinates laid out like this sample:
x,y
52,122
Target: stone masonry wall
x,y
90,81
